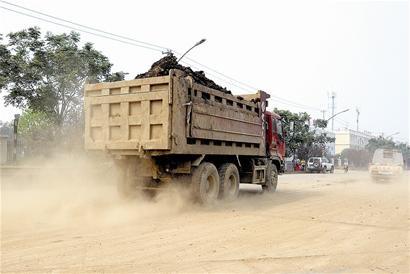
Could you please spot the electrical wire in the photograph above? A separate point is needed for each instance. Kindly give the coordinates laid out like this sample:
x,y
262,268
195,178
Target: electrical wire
x,y
145,45
342,122
77,29
87,27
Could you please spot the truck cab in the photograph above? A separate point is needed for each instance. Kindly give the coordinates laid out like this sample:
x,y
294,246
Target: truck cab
x,y
275,138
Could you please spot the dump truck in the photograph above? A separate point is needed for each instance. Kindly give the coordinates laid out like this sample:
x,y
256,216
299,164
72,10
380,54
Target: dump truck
x,y
169,129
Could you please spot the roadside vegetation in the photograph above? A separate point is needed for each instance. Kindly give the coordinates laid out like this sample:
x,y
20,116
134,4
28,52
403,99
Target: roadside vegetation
x,y
44,75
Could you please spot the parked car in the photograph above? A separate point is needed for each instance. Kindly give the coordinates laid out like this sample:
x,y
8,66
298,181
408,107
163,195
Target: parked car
x,y
320,164
386,163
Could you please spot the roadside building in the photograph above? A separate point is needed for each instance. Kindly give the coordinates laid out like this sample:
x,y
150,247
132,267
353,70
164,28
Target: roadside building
x,y
348,138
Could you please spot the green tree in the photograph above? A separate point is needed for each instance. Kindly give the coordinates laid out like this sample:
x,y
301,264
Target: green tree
x,y
355,157
116,76
405,149
320,142
36,131
46,73
379,142
300,134
320,123
304,141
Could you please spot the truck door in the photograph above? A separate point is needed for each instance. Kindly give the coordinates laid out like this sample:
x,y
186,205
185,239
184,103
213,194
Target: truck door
x,y
278,137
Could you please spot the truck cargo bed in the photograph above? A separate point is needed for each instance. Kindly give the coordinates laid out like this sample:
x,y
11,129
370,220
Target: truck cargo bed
x,y
128,115
170,115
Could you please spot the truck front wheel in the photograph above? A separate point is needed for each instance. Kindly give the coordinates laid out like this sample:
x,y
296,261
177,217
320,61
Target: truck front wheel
x,y
229,181
271,179
205,183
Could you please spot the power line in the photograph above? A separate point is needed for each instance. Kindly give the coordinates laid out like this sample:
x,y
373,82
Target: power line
x,y
73,28
127,38
278,99
215,76
142,44
254,88
119,36
87,27
282,100
220,73
296,104
342,122
99,35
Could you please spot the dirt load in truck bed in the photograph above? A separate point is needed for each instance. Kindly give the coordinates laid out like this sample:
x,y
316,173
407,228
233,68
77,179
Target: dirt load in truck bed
x,y
163,65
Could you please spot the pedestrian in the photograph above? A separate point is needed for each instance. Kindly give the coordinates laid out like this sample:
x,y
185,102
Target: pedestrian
x,y
346,166
303,164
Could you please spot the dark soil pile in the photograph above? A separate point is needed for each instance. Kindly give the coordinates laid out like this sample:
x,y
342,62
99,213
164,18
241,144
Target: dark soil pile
x,y
163,65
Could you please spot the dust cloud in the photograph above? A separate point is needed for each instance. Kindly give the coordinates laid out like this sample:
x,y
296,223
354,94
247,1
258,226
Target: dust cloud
x,y
81,190
78,190
67,217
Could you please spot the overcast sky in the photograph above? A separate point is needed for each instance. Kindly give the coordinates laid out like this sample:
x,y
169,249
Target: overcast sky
x,y
300,51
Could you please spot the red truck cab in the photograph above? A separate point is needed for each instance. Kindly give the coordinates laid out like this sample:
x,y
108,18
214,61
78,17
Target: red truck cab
x,y
275,138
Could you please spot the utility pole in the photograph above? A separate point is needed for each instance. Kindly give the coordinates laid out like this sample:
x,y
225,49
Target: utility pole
x,y
357,118
333,109
15,132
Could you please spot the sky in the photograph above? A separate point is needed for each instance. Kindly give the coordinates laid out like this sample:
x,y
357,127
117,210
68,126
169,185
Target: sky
x,y
300,52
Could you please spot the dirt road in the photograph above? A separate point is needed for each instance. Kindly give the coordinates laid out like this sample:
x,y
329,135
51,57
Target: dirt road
x,y
339,223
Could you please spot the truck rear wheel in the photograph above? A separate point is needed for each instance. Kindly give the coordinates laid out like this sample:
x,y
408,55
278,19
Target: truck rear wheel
x,y
229,181
205,183
271,180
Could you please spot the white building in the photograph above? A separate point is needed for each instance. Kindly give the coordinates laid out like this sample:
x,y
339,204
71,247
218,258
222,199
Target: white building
x,y
348,138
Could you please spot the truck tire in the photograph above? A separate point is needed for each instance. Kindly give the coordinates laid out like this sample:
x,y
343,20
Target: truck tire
x,y
229,182
205,183
271,180
332,169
